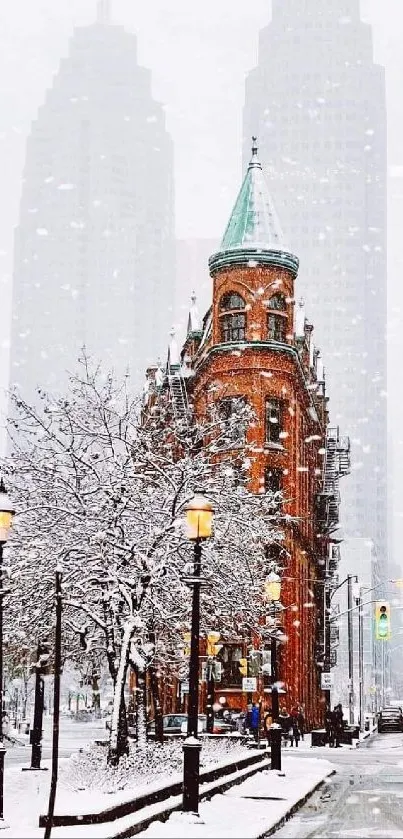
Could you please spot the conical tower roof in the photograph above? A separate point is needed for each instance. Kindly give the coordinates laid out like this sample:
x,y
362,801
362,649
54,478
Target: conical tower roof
x,y
253,231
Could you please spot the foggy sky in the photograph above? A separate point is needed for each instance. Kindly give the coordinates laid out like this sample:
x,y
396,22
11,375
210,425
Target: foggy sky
x,y
199,54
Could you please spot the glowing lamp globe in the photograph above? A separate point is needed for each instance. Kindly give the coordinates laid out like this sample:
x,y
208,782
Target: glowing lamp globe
x,y
199,518
273,587
7,513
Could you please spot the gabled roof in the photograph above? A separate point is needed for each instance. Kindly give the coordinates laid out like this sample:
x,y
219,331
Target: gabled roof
x,y
253,231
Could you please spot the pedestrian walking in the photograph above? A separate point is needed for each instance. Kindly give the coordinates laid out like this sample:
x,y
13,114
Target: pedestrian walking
x,y
267,721
294,732
255,720
301,720
285,722
338,724
329,726
240,723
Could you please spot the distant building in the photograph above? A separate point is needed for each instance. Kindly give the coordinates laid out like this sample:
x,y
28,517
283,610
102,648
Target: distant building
x,y
251,345
316,99
95,247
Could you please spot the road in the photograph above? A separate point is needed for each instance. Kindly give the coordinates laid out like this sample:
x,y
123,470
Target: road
x,y
73,735
362,800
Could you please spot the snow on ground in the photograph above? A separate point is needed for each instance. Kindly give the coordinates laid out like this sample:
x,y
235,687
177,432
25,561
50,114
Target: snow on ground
x,y
88,770
249,809
85,785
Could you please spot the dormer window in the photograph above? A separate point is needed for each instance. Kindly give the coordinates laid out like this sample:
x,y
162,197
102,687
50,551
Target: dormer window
x,y
277,318
232,317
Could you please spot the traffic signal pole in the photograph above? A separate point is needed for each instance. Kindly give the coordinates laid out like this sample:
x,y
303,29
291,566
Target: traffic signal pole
x,y
350,649
361,661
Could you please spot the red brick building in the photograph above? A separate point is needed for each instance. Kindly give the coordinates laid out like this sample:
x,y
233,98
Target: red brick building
x,y
255,344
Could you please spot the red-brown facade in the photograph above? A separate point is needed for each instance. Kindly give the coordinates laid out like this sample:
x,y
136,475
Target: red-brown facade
x,y
253,345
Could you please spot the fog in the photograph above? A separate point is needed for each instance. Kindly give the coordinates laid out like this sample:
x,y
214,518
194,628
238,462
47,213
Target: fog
x,y
199,55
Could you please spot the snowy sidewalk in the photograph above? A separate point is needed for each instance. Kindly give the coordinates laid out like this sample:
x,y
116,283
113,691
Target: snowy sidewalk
x,y
247,810
251,809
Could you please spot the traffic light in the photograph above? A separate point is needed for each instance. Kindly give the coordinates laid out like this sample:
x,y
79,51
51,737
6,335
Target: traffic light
x,y
382,621
243,666
213,648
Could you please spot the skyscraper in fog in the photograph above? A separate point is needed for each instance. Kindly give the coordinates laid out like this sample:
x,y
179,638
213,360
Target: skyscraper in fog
x,y
95,248
316,100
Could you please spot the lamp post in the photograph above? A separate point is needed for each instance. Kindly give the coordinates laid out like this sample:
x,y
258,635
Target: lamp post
x,y
6,518
199,519
273,592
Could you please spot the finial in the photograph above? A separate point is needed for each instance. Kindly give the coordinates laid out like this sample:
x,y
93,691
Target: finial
x,y
172,332
254,146
193,298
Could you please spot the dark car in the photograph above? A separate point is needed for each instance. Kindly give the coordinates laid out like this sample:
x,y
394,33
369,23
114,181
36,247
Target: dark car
x,y
390,719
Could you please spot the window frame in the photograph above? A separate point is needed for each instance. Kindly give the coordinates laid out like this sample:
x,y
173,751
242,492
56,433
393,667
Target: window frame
x,y
270,438
232,315
278,473
277,330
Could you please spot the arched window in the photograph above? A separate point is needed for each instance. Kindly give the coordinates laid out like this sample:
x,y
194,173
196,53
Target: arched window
x,y
230,301
278,302
232,317
277,318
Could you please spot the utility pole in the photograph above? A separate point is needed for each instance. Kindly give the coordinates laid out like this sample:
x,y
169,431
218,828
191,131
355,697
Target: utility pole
x,y
361,660
326,628
350,649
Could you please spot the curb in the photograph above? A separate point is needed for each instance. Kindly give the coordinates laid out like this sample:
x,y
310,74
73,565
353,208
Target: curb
x,y
295,807
205,794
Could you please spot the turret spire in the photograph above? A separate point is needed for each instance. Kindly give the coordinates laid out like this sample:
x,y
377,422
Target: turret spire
x,y
253,231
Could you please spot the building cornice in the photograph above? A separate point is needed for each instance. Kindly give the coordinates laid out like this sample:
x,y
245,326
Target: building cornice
x,y
256,255
261,346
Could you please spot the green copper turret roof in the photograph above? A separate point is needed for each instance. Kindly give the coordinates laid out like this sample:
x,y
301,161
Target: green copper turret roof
x,y
253,232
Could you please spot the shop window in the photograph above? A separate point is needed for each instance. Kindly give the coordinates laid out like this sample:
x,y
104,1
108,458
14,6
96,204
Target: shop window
x,y
229,658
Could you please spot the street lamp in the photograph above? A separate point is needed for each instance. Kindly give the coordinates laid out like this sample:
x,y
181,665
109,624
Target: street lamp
x,y
199,520
7,513
273,592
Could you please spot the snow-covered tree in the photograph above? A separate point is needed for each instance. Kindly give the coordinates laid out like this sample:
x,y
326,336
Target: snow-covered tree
x,y
102,486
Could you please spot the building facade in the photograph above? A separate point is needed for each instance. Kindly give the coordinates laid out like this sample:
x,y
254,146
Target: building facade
x,y
317,100
251,345
95,246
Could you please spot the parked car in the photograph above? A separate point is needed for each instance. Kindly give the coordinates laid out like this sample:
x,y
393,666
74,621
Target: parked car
x,y
221,726
390,719
176,724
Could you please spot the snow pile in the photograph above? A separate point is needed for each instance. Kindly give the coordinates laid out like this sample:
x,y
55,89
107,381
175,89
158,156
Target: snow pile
x,y
145,764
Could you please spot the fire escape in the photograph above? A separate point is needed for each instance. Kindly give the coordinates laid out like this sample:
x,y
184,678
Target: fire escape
x,y
179,399
336,464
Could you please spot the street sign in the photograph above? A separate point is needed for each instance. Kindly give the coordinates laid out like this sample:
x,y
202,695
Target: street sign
x,y
326,681
249,684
